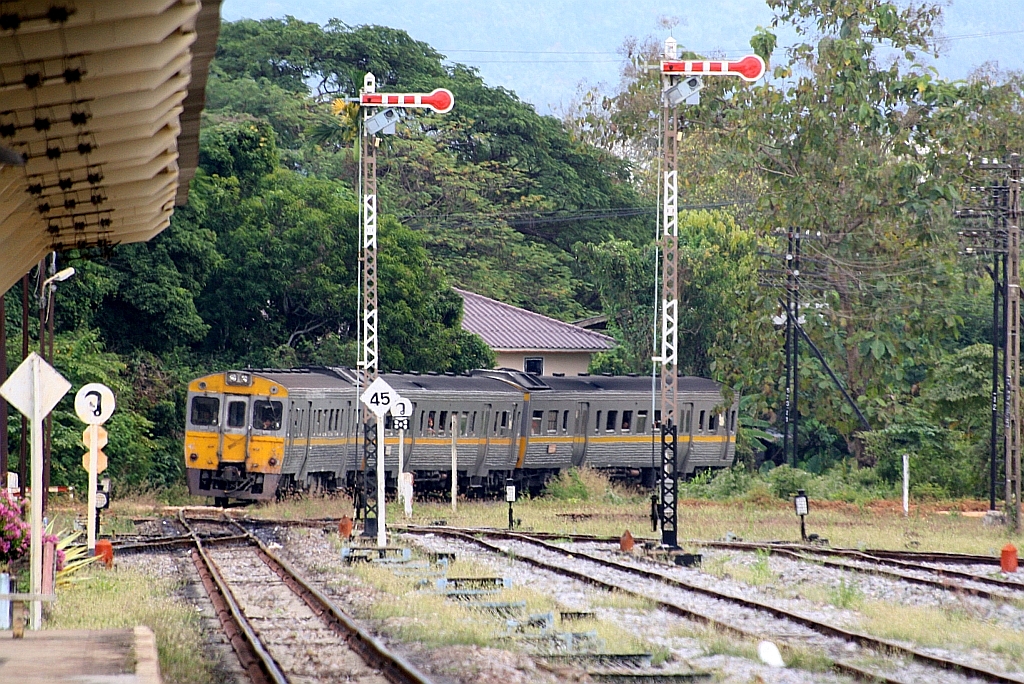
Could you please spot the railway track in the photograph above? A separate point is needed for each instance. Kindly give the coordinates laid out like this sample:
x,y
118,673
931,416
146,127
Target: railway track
x,y
616,576
282,628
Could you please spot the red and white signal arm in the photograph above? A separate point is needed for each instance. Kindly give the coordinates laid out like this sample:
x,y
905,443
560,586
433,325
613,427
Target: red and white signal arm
x,y
440,100
750,68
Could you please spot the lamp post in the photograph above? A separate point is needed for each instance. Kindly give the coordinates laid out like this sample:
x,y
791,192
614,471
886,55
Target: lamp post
x,y
47,297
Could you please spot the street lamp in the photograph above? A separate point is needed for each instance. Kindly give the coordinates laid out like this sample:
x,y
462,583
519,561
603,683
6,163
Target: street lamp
x,y
59,276
47,299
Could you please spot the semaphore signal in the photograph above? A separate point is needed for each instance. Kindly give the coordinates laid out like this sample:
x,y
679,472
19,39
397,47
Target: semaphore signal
x,y
750,68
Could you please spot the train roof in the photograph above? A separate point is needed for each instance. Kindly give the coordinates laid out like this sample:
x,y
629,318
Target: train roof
x,y
502,380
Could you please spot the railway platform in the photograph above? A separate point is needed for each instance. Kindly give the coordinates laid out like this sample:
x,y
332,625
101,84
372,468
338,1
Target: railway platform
x,y
106,656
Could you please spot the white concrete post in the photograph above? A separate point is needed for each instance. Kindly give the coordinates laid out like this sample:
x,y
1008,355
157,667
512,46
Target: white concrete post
x,y
455,461
906,484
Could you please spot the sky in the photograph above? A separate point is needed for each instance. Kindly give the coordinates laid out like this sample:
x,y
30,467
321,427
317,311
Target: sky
x,y
544,50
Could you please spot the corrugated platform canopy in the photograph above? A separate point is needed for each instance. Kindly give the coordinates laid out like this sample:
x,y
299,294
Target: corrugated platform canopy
x,y
102,99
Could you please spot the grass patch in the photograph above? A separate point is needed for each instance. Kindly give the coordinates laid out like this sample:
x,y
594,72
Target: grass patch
x,y
942,628
620,600
845,594
116,599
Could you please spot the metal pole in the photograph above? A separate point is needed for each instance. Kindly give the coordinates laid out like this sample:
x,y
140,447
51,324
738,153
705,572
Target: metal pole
x,y
994,428
23,454
4,446
382,539
368,198
1011,436
669,313
43,300
36,563
796,352
787,346
455,463
91,526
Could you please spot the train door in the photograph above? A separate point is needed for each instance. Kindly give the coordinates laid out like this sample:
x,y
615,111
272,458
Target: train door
x,y
684,438
579,438
301,427
235,433
483,434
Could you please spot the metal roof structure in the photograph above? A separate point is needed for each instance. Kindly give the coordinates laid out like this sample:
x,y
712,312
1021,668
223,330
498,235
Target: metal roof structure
x,y
101,98
508,328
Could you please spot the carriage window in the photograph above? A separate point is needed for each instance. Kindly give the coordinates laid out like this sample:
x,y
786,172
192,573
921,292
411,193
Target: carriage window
x,y
627,421
565,421
442,423
205,410
236,414
266,415
504,422
472,424
700,422
463,423
713,422
609,425
657,419
431,425
389,422
641,422
732,422
422,416
535,424
597,423
552,422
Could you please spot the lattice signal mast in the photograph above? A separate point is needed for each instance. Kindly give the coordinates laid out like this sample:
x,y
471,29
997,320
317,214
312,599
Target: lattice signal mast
x,y
681,80
378,116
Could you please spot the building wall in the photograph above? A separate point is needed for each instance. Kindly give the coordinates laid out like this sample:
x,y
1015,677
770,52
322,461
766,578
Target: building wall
x,y
569,363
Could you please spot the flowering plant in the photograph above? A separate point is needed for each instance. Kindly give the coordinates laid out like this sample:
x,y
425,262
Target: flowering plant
x,y
14,531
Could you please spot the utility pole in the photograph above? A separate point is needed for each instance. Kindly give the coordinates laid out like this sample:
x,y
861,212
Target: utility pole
x,y
680,81
378,116
1011,428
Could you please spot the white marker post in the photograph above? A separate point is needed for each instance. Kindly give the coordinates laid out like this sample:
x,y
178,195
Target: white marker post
x,y
34,389
455,462
94,404
906,484
380,398
400,414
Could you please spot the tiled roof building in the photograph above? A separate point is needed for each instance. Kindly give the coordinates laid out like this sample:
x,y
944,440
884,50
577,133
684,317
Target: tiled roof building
x,y
528,341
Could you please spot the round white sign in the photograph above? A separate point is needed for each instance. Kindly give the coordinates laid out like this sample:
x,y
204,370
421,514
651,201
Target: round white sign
x,y
94,403
402,408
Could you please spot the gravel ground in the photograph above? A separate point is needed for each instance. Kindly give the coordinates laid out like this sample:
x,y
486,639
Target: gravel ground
x,y
177,565
746,618
656,626
304,646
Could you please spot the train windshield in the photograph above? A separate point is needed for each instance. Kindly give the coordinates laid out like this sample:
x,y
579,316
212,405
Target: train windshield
x,y
205,410
266,415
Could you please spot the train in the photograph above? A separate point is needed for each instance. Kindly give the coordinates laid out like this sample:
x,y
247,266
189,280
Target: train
x,y
256,434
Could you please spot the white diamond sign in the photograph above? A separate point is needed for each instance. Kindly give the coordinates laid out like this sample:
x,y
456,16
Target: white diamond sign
x,y
379,397
19,387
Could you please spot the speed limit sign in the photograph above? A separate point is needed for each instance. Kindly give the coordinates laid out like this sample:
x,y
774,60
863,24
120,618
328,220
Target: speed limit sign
x,y
379,397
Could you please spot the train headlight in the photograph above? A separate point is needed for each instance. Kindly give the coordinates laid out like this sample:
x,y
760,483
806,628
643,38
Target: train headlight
x,y
238,378
193,457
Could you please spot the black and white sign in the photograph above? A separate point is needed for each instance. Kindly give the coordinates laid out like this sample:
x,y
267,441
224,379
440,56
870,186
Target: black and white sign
x,y
379,397
94,404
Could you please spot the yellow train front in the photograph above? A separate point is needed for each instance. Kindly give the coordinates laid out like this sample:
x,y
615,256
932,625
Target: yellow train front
x,y
234,436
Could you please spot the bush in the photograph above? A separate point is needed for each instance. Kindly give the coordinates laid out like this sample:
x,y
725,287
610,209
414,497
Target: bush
x,y
785,480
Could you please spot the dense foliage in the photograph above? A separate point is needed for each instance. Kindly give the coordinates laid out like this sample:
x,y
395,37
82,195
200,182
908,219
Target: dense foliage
x,y
850,136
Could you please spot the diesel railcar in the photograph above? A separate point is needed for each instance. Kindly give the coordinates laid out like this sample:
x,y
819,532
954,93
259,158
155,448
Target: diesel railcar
x,y
251,434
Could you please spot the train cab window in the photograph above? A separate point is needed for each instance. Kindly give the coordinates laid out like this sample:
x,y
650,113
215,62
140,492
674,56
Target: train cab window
x,y
609,425
627,421
597,423
657,419
464,423
442,423
641,422
431,424
713,422
205,411
565,422
266,415
535,424
552,422
732,422
700,421
236,414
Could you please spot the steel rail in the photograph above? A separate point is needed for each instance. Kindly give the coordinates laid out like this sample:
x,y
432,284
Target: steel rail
x,y
875,643
375,654
252,655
